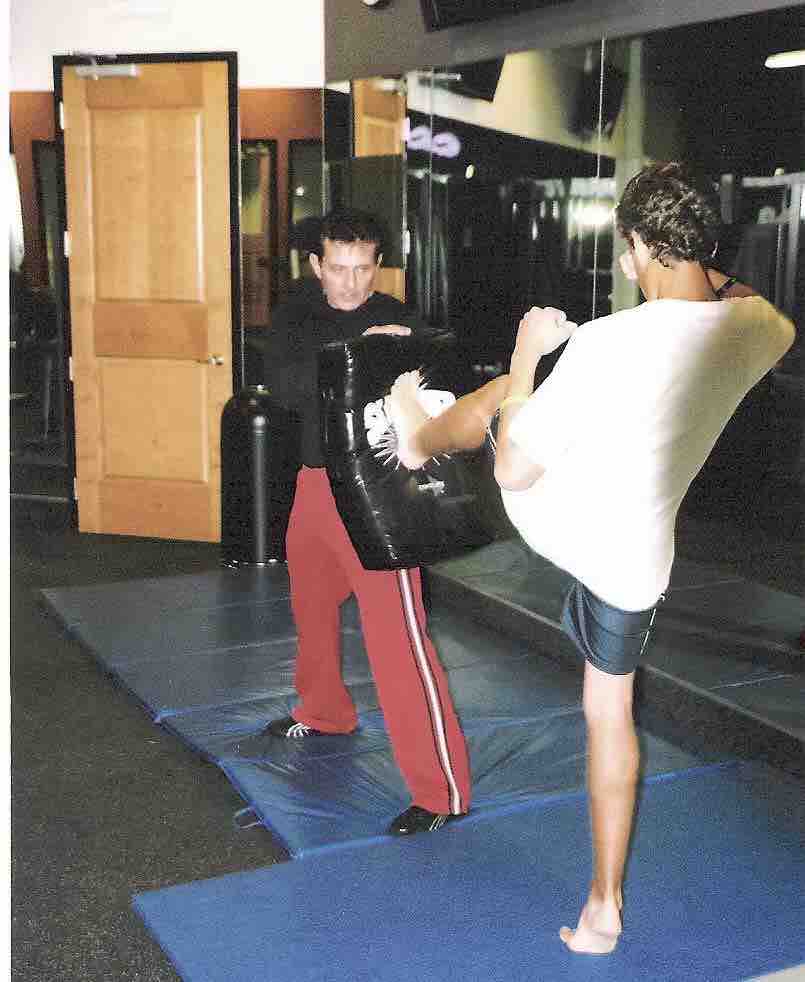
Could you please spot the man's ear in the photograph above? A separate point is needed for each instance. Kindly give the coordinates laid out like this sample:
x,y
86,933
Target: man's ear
x,y
315,264
626,260
379,260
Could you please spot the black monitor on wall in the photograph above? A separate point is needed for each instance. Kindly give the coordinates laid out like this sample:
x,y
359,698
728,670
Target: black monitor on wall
x,y
476,80
440,14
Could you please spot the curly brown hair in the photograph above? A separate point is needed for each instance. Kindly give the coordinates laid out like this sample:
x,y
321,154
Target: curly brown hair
x,y
674,210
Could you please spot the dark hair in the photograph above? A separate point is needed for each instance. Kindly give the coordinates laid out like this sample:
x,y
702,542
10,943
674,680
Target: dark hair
x,y
350,225
674,210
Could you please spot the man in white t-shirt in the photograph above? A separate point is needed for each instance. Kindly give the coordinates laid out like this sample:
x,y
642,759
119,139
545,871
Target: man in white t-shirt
x,y
594,464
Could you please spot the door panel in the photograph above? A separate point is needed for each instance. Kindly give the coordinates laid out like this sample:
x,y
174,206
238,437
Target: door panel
x,y
150,330
147,167
147,412
147,164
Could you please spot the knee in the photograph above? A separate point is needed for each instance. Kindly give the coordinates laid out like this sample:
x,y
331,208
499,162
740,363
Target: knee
x,y
614,711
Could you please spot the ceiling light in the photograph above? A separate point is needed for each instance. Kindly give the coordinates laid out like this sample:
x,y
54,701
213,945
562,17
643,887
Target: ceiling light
x,y
786,59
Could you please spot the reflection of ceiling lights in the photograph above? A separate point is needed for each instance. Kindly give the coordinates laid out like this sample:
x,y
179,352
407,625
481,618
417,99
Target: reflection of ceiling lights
x,y
592,214
786,59
300,191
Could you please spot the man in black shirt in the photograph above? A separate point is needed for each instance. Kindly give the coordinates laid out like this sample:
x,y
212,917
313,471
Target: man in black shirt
x,y
323,566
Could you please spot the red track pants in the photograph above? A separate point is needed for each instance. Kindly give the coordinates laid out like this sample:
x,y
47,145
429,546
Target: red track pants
x,y
411,685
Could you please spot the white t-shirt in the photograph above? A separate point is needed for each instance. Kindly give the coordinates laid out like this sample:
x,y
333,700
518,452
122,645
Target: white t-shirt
x,y
623,424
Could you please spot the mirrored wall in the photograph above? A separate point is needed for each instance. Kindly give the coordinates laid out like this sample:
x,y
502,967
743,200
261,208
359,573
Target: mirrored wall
x,y
497,182
38,418
498,178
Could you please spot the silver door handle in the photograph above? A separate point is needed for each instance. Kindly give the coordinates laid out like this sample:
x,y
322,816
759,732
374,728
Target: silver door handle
x,y
211,360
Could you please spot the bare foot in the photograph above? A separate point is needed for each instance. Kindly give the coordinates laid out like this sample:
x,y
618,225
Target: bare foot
x,y
598,929
406,415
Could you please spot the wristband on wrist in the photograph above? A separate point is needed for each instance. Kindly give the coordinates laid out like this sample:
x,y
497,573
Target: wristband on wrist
x,y
512,401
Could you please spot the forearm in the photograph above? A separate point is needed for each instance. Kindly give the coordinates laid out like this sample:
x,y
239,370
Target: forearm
x,y
514,470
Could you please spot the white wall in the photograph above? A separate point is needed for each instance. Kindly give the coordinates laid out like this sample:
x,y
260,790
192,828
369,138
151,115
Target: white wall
x,y
279,45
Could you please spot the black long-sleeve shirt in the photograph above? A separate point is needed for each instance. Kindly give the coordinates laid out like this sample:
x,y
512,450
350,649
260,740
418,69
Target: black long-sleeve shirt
x,y
298,328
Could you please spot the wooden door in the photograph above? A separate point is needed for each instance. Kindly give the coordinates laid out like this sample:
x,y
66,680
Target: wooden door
x,y
378,121
147,166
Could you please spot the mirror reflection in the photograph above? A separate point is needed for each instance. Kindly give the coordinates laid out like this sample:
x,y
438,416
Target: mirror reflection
x,y
502,184
507,194
364,163
38,425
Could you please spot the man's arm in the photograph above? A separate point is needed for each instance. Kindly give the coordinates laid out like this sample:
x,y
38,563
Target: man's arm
x,y
399,329
541,331
394,317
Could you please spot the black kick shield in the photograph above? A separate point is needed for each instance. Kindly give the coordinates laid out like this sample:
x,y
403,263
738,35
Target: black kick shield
x,y
396,518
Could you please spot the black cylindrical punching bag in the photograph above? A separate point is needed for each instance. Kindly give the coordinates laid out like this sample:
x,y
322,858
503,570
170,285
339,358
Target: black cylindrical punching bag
x,y
259,463
396,518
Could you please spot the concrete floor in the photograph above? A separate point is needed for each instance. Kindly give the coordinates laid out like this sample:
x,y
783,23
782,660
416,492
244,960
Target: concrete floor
x,y
104,802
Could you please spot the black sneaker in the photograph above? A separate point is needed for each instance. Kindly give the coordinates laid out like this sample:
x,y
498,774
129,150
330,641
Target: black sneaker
x,y
290,729
416,819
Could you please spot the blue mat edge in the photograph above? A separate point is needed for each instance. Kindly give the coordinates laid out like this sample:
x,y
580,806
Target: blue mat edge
x,y
474,817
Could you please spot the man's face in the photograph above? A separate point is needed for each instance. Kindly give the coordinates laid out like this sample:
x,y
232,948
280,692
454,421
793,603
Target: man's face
x,y
347,271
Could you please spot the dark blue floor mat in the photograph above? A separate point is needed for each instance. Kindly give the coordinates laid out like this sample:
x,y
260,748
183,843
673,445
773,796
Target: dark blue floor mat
x,y
183,682
212,588
714,891
215,675
331,801
507,687
717,634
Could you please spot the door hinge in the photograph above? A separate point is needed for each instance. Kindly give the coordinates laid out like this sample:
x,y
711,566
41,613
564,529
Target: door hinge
x,y
61,115
70,367
75,488
67,244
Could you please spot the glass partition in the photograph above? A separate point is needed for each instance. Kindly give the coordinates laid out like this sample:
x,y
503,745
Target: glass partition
x,y
364,162
503,189
305,207
747,134
38,423
500,186
258,226
703,94
510,185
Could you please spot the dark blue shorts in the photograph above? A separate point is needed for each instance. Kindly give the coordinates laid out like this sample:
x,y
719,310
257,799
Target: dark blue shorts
x,y
610,638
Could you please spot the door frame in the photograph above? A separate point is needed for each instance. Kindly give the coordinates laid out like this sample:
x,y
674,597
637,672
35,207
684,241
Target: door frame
x,y
60,62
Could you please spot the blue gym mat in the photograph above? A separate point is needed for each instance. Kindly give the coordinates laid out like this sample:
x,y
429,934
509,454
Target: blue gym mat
x,y
314,804
211,658
714,891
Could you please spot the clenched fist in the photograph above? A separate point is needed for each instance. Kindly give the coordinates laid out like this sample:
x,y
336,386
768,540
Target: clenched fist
x,y
541,331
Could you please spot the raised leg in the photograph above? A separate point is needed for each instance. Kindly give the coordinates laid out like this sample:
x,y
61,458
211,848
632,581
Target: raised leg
x,y
612,768
461,427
